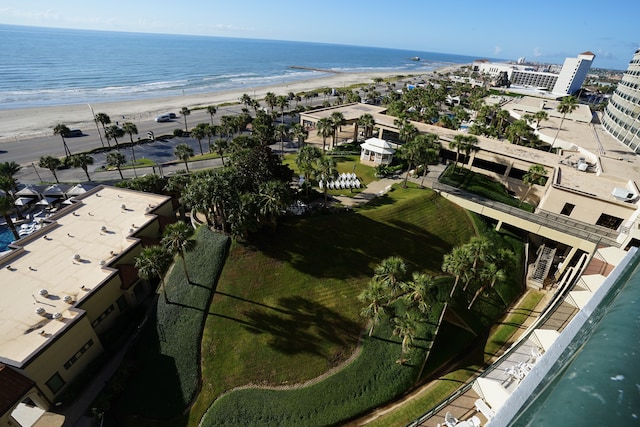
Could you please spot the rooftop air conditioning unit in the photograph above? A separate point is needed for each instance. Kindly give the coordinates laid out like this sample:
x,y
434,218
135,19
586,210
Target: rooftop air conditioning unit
x,y
623,194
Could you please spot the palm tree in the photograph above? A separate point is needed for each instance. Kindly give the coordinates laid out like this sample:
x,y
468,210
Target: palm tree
x,y
114,132
299,133
9,169
104,119
457,144
116,159
456,263
185,112
51,163
337,120
406,130
83,161
131,129
410,151
536,175
470,143
281,132
212,110
62,130
368,123
154,262
567,106
326,172
420,291
199,132
375,296
220,145
306,161
184,153
273,198
491,273
406,328
391,273
6,207
271,100
176,239
282,102
540,116
325,130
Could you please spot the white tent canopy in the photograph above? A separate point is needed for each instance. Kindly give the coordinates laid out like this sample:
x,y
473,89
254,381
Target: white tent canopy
x,y
492,392
544,338
76,190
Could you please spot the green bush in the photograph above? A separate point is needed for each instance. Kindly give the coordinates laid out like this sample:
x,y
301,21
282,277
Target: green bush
x,y
167,357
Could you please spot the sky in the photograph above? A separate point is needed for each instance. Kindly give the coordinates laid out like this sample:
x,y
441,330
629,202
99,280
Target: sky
x,y
541,31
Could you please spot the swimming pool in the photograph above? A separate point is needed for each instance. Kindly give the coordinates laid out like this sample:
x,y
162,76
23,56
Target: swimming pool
x,y
597,380
6,237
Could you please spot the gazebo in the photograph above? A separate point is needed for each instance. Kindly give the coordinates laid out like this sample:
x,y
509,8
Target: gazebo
x,y
376,151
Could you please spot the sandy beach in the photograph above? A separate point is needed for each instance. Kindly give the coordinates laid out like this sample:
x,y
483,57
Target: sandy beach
x,y
25,123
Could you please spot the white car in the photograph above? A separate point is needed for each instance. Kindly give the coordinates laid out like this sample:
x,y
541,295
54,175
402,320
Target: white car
x,y
163,118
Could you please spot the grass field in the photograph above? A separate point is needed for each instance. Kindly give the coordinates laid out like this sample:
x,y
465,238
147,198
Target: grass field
x,y
286,307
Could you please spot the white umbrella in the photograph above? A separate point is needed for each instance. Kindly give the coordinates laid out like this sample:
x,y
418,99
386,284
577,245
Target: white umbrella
x,y
27,191
76,190
53,190
23,201
46,201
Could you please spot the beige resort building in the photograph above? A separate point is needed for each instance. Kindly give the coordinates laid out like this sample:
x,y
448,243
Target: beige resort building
x,y
63,287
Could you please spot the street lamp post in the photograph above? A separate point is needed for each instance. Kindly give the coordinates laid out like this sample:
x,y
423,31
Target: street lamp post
x,y
96,122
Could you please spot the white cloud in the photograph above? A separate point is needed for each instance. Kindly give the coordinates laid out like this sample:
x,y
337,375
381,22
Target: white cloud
x,y
497,50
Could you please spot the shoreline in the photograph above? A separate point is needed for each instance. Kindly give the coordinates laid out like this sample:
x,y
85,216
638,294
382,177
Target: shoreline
x,y
25,123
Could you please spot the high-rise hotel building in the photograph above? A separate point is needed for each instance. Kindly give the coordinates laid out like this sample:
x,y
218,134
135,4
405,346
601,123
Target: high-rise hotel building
x,y
621,118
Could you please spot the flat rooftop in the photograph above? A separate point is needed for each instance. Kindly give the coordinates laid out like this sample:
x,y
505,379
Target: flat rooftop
x,y
69,256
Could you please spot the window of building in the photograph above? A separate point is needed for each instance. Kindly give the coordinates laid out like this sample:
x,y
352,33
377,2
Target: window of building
x,y
567,209
76,356
55,383
609,221
103,316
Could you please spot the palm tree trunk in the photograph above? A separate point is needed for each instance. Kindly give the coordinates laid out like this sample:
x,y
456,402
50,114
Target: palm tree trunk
x,y
186,165
86,171
133,161
120,172
406,178
12,227
455,284
477,294
424,173
55,175
184,266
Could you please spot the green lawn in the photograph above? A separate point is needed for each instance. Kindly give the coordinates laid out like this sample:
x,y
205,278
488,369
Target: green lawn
x,y
286,307
482,185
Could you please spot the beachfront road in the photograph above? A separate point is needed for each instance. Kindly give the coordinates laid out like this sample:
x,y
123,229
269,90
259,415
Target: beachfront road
x,y
27,150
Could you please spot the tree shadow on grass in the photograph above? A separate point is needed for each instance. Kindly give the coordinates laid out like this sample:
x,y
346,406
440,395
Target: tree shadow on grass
x,y
300,326
348,245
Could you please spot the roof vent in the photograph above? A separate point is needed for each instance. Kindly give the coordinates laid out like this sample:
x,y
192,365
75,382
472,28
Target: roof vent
x,y
123,207
57,315
103,228
41,311
76,257
68,299
44,293
102,262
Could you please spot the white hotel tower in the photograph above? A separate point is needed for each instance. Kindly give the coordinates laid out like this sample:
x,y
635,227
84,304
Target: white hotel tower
x,y
621,118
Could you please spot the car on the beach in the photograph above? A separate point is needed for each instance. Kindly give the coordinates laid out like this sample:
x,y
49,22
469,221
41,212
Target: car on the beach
x,y
73,133
164,118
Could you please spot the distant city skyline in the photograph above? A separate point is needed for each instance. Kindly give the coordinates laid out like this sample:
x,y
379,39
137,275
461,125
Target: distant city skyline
x,y
544,31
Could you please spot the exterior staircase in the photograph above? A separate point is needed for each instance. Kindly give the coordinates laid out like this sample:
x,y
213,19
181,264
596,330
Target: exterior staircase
x,y
541,267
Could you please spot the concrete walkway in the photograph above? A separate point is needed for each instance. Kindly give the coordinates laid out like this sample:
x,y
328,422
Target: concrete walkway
x,y
382,186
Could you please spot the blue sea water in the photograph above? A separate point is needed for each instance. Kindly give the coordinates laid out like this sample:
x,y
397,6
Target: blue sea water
x,y
47,66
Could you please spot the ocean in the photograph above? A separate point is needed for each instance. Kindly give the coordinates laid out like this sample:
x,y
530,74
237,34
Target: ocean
x,y
47,66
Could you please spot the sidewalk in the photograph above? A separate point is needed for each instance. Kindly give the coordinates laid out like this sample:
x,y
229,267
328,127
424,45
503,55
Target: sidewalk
x,y
382,186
